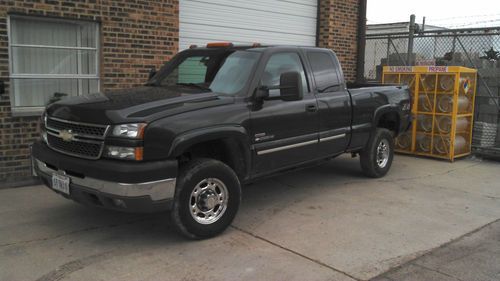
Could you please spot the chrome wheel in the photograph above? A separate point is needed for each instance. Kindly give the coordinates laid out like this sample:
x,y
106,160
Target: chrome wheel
x,y
208,201
383,153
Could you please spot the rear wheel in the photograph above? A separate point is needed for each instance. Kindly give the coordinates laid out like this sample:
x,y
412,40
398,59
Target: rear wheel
x,y
207,198
376,157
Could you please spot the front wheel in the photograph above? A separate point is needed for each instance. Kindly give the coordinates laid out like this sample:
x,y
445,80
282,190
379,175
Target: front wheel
x,y
376,157
207,198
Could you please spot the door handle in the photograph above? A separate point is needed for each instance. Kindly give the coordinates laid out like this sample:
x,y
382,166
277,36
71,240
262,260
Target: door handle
x,y
311,108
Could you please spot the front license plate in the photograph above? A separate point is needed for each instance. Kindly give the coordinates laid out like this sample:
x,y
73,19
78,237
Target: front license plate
x,y
60,183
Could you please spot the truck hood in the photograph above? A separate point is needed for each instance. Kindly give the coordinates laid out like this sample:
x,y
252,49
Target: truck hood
x,y
142,104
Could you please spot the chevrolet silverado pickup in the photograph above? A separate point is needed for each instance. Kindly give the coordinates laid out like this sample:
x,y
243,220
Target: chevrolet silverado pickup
x,y
210,120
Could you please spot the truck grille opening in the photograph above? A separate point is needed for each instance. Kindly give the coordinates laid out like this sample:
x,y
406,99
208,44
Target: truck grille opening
x,y
75,148
80,139
80,129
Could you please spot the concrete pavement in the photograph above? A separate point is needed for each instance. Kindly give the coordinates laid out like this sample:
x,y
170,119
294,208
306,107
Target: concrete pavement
x,y
472,257
322,223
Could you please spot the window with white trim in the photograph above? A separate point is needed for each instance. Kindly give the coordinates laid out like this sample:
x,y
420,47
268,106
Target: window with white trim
x,y
51,59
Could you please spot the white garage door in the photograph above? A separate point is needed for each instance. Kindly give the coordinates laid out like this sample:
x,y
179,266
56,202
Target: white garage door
x,y
284,22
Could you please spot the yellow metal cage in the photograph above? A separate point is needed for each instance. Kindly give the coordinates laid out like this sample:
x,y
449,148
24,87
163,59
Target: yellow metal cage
x,y
442,109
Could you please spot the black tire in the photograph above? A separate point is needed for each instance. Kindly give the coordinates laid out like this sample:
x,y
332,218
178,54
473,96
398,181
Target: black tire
x,y
190,175
369,163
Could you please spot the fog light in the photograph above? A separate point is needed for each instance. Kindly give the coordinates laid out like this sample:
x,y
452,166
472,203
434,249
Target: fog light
x,y
128,153
119,203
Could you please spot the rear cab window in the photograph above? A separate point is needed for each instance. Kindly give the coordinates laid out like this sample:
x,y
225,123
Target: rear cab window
x,y
325,71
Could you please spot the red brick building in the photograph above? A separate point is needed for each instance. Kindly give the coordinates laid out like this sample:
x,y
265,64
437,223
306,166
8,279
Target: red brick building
x,y
78,47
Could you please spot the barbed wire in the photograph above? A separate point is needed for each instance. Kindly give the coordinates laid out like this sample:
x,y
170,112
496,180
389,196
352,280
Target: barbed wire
x,y
461,17
474,23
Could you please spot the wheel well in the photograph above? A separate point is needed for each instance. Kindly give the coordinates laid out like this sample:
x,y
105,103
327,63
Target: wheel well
x,y
389,121
228,151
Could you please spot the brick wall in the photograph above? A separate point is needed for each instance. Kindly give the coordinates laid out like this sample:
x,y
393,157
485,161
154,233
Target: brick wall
x,y
135,35
338,29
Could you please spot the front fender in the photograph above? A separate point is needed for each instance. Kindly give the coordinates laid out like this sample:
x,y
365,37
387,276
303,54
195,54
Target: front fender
x,y
235,139
190,138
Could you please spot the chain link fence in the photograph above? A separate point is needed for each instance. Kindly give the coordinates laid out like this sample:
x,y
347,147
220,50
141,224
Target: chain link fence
x,y
475,48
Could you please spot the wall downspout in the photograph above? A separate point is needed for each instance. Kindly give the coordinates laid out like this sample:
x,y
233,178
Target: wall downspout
x,y
360,66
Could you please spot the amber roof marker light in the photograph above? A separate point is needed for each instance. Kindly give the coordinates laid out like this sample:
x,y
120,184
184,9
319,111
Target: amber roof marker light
x,y
220,44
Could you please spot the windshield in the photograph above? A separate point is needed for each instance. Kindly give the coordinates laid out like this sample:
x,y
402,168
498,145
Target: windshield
x,y
220,72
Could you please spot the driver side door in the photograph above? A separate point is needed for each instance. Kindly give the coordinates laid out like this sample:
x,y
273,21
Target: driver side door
x,y
284,133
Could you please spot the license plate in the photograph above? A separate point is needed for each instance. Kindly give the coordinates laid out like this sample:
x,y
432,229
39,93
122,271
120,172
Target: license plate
x,y
60,183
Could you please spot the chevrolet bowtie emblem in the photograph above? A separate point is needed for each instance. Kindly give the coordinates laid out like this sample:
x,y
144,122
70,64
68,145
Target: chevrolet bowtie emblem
x,y
66,135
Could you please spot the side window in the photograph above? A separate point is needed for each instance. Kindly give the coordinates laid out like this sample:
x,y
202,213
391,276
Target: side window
x,y
191,70
281,63
324,71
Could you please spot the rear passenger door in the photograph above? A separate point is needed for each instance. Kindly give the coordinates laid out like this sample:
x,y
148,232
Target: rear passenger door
x,y
334,103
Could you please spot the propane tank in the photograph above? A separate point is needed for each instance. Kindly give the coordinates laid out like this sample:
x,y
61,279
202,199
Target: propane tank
x,y
443,124
424,123
462,124
447,82
425,103
428,82
460,145
442,145
424,143
403,142
445,103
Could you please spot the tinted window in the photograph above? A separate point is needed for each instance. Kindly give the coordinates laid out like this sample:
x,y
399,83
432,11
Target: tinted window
x,y
234,73
224,72
193,70
281,63
324,71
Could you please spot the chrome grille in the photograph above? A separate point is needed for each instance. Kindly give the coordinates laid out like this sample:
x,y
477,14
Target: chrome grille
x,y
85,141
75,148
80,129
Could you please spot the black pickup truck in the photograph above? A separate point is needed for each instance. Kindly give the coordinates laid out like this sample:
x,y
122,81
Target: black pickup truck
x,y
214,118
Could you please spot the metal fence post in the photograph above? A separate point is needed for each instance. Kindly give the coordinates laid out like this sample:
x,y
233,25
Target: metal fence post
x,y
454,47
388,49
411,34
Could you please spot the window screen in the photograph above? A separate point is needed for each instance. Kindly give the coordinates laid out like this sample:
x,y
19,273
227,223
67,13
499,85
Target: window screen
x,y
51,56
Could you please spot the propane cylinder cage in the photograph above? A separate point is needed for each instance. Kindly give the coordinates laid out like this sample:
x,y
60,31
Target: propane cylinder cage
x,y
442,109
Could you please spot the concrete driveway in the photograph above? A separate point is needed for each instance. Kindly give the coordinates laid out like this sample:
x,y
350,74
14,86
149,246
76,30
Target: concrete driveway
x,y
322,223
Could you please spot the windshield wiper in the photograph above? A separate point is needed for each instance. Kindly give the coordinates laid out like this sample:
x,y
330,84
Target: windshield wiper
x,y
195,86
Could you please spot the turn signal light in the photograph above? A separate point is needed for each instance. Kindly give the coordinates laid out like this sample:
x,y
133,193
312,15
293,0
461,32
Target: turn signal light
x,y
139,153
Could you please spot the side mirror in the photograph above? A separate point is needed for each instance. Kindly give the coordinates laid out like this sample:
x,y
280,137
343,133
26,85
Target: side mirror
x,y
152,72
290,86
262,93
2,87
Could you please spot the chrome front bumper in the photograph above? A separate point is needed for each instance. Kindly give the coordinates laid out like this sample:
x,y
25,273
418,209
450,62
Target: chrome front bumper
x,y
157,190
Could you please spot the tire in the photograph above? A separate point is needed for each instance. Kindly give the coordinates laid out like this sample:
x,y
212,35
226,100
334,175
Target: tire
x,y
207,198
376,158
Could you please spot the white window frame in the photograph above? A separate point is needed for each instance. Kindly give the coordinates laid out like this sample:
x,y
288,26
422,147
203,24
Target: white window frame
x,y
37,110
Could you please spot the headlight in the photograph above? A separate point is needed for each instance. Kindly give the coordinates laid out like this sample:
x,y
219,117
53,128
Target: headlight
x,y
126,153
41,126
133,131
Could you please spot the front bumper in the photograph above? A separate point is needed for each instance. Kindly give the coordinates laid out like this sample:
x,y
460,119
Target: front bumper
x,y
142,196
